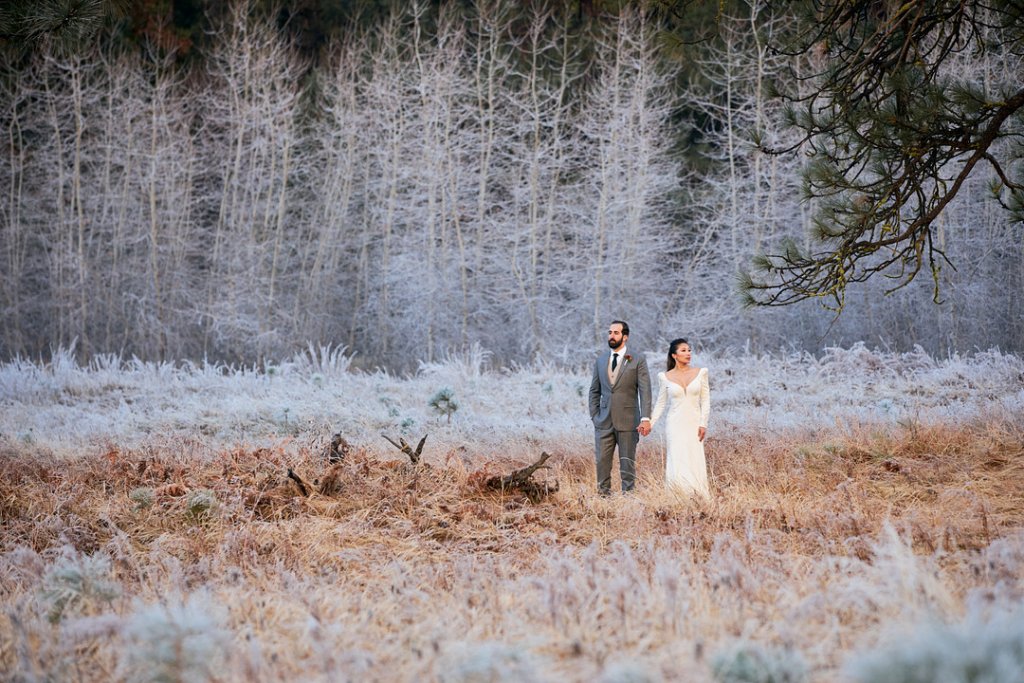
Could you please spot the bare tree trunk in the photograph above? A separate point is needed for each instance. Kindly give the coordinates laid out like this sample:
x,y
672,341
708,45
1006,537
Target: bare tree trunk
x,y
154,237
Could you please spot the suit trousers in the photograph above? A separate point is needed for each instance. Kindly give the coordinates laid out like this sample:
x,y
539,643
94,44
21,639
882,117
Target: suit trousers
x,y
605,442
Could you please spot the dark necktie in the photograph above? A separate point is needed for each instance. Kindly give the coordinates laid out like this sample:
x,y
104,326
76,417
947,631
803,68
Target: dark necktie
x,y
615,361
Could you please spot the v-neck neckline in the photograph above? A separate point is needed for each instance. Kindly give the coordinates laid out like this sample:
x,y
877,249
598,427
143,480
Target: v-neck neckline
x,y
684,387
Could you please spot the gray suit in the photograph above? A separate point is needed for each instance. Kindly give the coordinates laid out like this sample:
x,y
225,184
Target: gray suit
x,y
616,410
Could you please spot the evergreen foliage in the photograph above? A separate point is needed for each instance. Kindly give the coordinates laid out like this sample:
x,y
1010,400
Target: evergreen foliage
x,y
894,125
77,581
444,403
59,24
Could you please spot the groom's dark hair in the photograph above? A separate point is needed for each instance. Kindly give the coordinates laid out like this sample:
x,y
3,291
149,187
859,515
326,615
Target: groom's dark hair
x,y
625,326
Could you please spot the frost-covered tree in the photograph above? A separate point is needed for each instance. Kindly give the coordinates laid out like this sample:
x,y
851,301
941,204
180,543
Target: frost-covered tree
x,y
250,152
631,180
745,199
443,179
748,201
97,232
892,132
474,187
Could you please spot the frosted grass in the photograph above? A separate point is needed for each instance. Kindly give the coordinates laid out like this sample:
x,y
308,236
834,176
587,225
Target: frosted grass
x,y
64,406
979,649
581,588
636,613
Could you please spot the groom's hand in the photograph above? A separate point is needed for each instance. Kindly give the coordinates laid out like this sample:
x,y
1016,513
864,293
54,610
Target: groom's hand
x,y
644,428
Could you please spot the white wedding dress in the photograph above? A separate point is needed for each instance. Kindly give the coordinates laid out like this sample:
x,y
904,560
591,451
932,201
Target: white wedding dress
x,y
686,409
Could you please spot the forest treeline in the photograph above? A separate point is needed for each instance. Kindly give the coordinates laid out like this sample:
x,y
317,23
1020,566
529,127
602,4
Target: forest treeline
x,y
434,177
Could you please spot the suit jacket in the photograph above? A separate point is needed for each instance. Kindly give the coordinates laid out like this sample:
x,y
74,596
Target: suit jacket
x,y
620,405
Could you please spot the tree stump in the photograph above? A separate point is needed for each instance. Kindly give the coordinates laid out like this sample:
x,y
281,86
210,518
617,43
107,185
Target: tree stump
x,y
337,450
522,480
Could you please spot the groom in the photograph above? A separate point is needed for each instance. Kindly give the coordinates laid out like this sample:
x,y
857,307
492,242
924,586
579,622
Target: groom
x,y
620,407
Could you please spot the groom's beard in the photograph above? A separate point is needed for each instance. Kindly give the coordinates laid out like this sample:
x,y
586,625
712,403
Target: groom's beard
x,y
612,345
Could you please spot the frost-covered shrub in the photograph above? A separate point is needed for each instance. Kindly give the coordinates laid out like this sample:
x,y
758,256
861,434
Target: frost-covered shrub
x,y
629,672
489,663
746,662
76,581
974,651
22,565
99,628
200,503
444,403
1000,564
142,497
183,642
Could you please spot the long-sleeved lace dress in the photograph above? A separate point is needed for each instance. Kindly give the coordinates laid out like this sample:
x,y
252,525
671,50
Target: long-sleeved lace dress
x,y
686,409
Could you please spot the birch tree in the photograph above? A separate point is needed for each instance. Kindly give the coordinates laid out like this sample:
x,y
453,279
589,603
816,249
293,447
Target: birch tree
x,y
250,149
628,181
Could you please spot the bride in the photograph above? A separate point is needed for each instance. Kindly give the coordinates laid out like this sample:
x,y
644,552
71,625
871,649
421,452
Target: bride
x,y
685,394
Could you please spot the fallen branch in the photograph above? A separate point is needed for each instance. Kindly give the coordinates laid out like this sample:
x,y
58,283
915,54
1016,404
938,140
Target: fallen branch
x,y
522,480
303,488
414,456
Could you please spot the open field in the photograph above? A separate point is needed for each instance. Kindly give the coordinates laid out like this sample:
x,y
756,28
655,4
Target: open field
x,y
150,528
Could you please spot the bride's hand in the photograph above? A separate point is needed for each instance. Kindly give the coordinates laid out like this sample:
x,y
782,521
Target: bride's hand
x,y
701,431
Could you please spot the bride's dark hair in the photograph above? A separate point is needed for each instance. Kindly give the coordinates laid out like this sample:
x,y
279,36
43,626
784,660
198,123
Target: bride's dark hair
x,y
676,343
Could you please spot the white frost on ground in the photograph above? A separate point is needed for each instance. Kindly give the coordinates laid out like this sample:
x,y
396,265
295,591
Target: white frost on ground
x,y
65,407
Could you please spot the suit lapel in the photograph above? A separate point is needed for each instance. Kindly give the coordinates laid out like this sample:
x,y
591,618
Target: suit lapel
x,y
604,359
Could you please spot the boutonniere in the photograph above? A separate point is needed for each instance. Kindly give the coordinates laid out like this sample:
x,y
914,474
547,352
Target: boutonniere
x,y
628,358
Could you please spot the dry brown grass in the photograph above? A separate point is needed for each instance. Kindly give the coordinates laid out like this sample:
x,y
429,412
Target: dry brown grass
x,y
386,568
